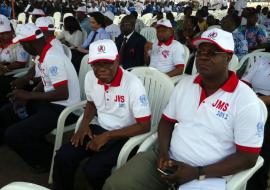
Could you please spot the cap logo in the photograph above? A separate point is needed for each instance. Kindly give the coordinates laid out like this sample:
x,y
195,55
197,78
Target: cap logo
x,y
101,49
213,35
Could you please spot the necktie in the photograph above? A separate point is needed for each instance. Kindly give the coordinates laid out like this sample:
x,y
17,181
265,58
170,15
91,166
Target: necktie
x,y
122,49
93,38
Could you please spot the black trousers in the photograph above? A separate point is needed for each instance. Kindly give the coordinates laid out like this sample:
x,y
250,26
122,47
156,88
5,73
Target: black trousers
x,y
96,169
259,180
27,137
5,89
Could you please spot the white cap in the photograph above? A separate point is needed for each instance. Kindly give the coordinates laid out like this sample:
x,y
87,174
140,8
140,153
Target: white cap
x,y
102,50
82,9
109,14
38,12
45,23
27,32
220,38
4,24
164,22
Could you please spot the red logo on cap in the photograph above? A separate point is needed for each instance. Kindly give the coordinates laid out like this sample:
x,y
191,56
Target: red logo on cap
x,y
213,35
101,49
1,22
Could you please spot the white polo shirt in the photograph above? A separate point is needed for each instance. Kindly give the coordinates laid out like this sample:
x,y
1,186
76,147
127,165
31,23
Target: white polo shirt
x,y
12,53
120,104
208,129
56,70
56,43
167,56
258,76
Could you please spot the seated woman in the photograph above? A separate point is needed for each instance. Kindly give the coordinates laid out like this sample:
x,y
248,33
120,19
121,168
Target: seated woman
x,y
12,56
72,34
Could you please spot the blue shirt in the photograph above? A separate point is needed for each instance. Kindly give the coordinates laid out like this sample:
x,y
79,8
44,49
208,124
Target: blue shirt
x,y
101,34
85,25
240,44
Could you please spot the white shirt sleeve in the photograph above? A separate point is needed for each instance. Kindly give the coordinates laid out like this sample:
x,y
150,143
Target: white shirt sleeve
x,y
139,102
249,128
179,54
56,71
88,87
21,54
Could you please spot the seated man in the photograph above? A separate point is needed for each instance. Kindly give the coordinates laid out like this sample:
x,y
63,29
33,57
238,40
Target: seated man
x,y
207,131
12,56
167,54
32,115
119,100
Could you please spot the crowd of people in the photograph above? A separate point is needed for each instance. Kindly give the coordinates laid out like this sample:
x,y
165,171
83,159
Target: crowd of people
x,y
213,125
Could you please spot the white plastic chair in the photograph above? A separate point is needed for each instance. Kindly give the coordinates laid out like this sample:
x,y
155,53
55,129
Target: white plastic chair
x,y
30,19
149,33
28,65
21,18
23,186
234,64
158,87
67,51
57,20
234,182
76,109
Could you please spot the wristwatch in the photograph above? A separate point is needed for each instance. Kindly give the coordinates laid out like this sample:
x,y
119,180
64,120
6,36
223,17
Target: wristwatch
x,y
201,173
31,82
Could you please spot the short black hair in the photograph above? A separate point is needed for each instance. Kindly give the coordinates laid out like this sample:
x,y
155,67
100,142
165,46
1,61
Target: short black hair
x,y
99,18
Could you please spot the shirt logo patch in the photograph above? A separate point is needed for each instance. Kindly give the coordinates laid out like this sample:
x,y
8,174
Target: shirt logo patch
x,y
101,49
144,100
53,70
260,129
165,53
213,35
222,106
119,98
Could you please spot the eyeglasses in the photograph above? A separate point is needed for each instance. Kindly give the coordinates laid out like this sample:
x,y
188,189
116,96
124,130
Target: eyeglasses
x,y
102,65
208,53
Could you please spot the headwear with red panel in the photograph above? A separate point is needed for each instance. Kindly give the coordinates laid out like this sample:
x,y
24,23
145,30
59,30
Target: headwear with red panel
x,y
220,38
27,32
45,23
4,24
164,22
102,50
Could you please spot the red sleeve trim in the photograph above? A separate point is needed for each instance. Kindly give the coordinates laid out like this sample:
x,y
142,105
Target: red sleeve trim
x,y
143,119
64,82
180,66
168,119
255,150
247,83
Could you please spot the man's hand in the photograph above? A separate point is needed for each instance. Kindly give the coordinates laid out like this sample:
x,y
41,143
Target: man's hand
x,y
79,136
183,174
19,83
98,141
163,161
19,95
3,69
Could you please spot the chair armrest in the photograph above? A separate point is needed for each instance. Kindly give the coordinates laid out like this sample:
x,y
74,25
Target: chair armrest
x,y
240,179
20,74
148,143
128,147
17,71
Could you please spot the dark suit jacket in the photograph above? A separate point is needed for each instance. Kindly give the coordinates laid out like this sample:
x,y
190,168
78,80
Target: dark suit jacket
x,y
133,54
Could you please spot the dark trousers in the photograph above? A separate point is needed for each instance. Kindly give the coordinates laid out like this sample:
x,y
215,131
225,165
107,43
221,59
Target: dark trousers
x,y
96,169
27,137
4,89
259,180
76,59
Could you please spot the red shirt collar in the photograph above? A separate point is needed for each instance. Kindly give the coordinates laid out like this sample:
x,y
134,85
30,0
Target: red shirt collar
x,y
167,43
49,39
6,45
229,86
44,52
116,81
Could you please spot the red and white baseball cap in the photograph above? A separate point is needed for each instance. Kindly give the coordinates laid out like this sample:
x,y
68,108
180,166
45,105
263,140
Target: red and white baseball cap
x,y
164,22
38,12
4,24
45,23
27,32
220,38
102,50
82,9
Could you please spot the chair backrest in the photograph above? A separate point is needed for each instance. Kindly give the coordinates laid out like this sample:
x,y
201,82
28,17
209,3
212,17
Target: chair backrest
x,y
67,51
234,64
57,19
30,19
149,33
158,86
21,18
252,58
84,68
